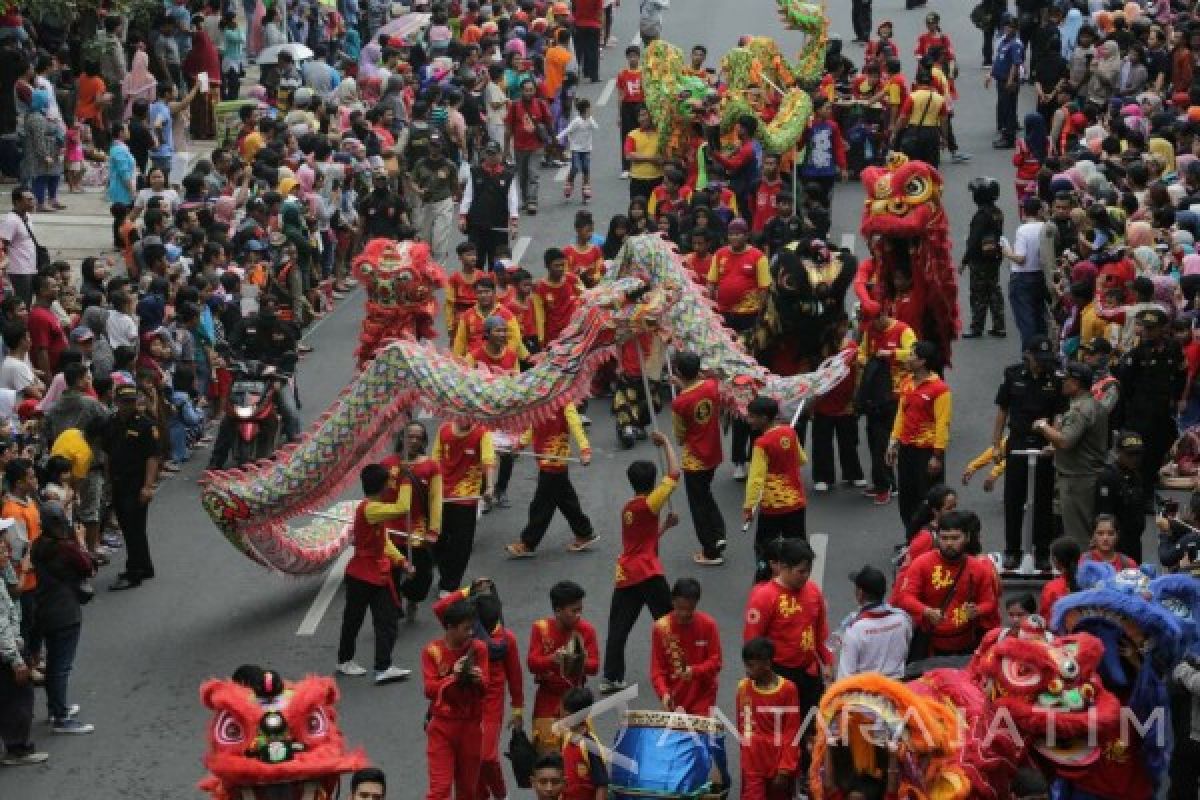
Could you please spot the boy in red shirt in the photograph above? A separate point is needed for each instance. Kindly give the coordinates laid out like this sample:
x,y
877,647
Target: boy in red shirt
x,y
774,489
699,260
685,654
790,611
585,260
695,414
633,97
834,415
583,756
415,534
467,458
455,668
524,305
562,653
769,186
639,575
558,293
369,577
460,286
769,723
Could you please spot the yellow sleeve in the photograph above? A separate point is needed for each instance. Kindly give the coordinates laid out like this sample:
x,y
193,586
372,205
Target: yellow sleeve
x,y
679,427
982,460
661,493
733,203
435,503
651,205
943,410
762,272
575,426
998,469
436,450
470,359
714,271
539,317
377,512
757,478
904,351
459,348
897,423
487,450
801,455
514,338
392,552
449,307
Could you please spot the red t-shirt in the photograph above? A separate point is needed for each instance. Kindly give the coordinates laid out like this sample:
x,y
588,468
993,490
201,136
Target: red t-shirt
x,y
629,86
698,266
783,488
545,639
770,721
507,361
587,13
639,560
698,425
522,121
794,620
46,333
584,769
1052,592
450,698
526,315
764,203
368,564
587,263
926,583
460,459
464,291
423,472
558,303
740,277
675,647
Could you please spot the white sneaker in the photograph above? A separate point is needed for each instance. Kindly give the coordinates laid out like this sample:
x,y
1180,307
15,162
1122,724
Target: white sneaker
x,y
861,483
351,668
24,760
585,420
625,175
391,675
820,486
739,472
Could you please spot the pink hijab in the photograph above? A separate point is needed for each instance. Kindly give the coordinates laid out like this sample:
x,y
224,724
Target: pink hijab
x,y
1191,264
139,84
1139,234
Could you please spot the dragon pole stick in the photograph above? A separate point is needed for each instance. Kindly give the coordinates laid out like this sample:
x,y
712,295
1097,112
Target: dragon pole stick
x,y
795,419
650,409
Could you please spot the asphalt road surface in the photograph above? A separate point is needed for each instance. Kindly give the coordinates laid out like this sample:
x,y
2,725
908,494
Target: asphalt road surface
x,y
144,653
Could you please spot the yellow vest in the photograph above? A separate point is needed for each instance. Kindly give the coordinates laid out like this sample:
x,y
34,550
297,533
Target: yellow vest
x,y
645,143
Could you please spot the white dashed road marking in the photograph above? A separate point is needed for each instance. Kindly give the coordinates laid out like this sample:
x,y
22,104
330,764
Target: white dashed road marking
x,y
320,604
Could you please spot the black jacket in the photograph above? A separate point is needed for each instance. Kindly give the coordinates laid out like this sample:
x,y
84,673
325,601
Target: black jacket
x,y
60,564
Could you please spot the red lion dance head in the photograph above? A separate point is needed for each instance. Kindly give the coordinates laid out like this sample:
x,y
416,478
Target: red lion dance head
x,y
910,272
279,741
400,279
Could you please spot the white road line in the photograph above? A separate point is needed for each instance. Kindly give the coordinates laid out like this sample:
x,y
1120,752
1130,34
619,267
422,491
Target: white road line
x,y
819,543
320,604
848,241
561,175
519,250
606,95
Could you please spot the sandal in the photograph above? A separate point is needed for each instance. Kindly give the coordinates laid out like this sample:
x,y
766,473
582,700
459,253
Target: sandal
x,y
518,550
580,545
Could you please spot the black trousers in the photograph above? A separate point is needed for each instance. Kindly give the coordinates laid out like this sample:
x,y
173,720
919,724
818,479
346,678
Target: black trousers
x,y
554,492
1158,432
879,432
1006,111
706,514
504,468
1016,494
360,596
825,428
629,115
452,551
623,611
742,439
587,46
131,516
487,242
860,18
16,712
808,687
912,467
414,586
775,526
989,35
643,187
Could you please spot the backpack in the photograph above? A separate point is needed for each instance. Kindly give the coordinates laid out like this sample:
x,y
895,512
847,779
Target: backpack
x,y
874,392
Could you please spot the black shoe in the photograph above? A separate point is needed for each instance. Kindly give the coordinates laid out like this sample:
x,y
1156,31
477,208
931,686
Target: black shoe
x,y
1012,561
999,334
1004,144
1041,563
972,334
124,582
987,62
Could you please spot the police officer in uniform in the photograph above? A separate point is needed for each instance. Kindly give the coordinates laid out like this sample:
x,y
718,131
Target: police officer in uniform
x,y
1152,375
1119,492
1031,391
382,213
132,446
489,211
1106,389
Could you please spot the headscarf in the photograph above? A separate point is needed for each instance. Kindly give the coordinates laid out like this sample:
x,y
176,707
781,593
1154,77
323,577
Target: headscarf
x,y
1147,261
1139,234
369,60
1163,149
1165,289
39,101
346,93
203,57
1069,31
352,44
139,83
1036,138
1108,61
1191,265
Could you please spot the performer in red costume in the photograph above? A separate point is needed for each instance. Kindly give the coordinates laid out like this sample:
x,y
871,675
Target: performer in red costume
x,y
415,533
400,279
562,653
768,718
685,653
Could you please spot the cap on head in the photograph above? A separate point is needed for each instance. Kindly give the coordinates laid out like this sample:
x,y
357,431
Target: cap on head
x,y
494,322
1080,372
1039,347
82,333
1152,317
738,226
1130,442
126,392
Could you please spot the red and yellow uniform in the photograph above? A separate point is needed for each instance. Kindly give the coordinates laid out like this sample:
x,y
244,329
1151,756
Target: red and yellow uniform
x,y
503,674
769,721
551,438
584,768
926,584
463,457
585,262
425,509
1055,590
794,620
469,333
899,339
764,203
559,301
531,318
662,200
640,532
460,297
374,553
692,649
774,484
698,266
506,361
629,86
454,733
545,639
740,280
698,425
923,418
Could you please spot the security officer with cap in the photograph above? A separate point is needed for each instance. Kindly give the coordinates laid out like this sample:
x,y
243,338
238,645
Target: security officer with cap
x,y
132,446
489,212
1152,375
1119,492
1080,441
1031,391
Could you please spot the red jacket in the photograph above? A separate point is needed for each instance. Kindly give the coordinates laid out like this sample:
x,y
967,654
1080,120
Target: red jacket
x,y
545,639
501,672
794,620
588,13
926,583
450,698
675,647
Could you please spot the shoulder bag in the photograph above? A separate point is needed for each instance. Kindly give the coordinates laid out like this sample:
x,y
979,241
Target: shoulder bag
x,y
42,255
922,638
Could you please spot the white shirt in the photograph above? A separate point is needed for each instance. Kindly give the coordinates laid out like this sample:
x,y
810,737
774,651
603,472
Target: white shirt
x,y
169,198
121,330
1026,243
16,374
875,640
18,234
578,134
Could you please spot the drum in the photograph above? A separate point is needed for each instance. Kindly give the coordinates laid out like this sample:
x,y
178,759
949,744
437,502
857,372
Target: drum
x,y
660,754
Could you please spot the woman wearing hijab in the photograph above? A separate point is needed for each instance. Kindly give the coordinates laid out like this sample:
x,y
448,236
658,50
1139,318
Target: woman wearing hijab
x,y
369,60
44,142
139,83
352,45
1030,155
203,59
1069,31
1103,73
